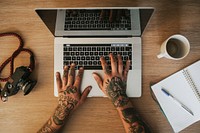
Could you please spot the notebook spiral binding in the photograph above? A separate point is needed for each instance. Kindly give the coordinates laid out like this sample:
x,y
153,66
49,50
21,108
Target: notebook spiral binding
x,y
191,83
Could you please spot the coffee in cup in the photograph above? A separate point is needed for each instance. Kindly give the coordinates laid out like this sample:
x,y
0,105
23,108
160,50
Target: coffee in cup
x,y
176,47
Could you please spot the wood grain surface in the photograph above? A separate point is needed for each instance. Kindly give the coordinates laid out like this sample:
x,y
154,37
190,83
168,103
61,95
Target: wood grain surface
x,y
26,114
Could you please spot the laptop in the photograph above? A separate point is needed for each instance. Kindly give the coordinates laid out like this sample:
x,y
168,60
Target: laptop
x,y
83,35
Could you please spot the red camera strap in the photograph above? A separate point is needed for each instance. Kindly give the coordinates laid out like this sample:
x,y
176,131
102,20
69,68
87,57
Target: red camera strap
x,y
14,55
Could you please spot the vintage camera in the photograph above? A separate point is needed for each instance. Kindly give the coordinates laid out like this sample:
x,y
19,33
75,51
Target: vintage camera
x,y
18,81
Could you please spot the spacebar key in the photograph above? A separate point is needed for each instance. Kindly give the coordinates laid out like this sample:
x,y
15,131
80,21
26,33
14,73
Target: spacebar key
x,y
92,67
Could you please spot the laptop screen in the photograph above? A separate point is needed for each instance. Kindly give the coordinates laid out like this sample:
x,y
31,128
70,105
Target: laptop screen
x,y
107,22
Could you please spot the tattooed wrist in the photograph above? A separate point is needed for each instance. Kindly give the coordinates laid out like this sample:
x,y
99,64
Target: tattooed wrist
x,y
64,108
131,117
116,91
48,127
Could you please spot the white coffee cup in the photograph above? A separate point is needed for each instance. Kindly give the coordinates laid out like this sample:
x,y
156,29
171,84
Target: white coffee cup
x,y
176,47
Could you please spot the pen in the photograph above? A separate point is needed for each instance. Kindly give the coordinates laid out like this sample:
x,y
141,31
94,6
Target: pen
x,y
177,101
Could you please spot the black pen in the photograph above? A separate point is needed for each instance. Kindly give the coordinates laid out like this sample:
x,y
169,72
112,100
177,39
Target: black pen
x,y
177,101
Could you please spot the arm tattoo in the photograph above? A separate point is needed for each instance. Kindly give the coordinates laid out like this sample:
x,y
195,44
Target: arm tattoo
x,y
136,124
47,128
116,90
65,106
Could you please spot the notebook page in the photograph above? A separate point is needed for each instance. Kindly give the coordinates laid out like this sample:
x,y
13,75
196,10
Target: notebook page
x,y
180,89
194,72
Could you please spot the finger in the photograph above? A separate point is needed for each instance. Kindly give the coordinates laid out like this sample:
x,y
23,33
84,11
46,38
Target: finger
x,y
98,80
113,64
74,13
102,14
58,82
85,94
126,70
120,64
104,65
71,75
126,14
79,78
112,17
118,15
65,75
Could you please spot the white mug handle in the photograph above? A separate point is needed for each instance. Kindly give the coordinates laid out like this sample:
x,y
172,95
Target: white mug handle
x,y
160,55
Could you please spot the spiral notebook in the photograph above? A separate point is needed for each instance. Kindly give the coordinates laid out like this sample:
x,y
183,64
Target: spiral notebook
x,y
184,85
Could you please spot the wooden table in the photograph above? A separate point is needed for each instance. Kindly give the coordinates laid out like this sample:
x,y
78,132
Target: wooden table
x,y
26,114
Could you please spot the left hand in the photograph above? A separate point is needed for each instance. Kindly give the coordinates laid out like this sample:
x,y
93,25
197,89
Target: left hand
x,y
69,93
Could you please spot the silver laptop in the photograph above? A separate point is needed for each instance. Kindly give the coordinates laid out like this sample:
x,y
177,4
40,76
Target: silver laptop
x,y
83,35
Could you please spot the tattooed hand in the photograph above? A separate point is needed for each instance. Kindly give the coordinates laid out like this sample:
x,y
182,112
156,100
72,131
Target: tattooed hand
x,y
69,98
114,81
69,93
114,86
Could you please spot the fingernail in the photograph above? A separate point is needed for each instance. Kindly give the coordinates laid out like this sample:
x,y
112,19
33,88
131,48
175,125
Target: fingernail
x,y
81,68
57,73
90,88
65,67
94,75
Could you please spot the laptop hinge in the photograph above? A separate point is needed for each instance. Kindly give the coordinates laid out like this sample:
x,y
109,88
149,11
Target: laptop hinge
x,y
97,36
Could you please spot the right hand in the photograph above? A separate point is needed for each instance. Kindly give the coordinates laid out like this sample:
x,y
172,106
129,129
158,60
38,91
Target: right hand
x,y
114,82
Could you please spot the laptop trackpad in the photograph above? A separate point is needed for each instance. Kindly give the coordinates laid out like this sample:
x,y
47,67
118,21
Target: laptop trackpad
x,y
88,79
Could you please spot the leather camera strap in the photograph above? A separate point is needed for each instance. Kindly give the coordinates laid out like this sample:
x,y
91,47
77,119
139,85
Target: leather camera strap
x,y
14,55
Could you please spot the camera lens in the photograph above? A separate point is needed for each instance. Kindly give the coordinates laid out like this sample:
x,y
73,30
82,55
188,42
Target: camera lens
x,y
26,85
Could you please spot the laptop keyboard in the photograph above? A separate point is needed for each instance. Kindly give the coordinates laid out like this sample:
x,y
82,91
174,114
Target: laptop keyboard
x,y
90,20
88,55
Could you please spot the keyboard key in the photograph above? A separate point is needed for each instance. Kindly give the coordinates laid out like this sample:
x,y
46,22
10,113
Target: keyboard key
x,y
87,57
100,53
66,53
92,58
85,63
67,58
86,53
93,48
82,53
107,58
128,49
88,48
91,53
91,67
78,57
112,48
105,53
81,63
107,48
97,58
82,57
72,53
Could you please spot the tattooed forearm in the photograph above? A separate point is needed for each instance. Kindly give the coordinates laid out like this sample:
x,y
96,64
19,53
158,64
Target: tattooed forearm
x,y
47,128
116,90
136,124
65,106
